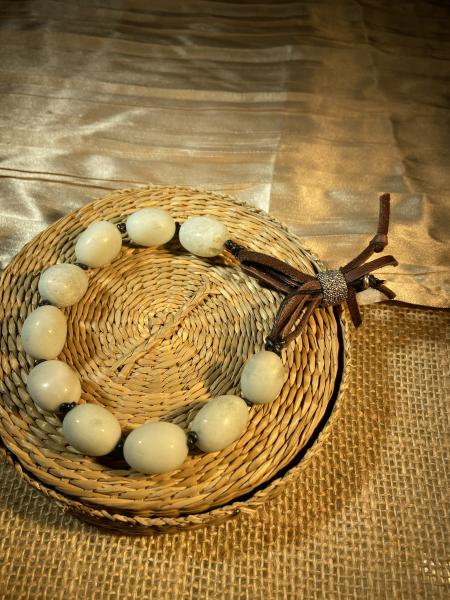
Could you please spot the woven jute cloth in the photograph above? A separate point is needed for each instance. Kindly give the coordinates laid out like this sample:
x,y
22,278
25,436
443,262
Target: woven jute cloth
x,y
368,518
158,333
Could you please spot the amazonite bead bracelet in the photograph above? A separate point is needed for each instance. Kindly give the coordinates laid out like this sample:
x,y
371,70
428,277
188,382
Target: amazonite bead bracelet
x,y
157,446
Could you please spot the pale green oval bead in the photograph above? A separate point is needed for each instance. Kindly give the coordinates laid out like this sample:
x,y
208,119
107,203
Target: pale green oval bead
x,y
220,422
262,377
151,227
63,285
52,383
44,332
99,244
203,236
156,447
91,429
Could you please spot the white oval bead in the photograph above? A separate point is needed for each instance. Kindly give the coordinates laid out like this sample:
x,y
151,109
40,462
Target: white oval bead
x,y
203,236
156,447
44,332
150,227
99,244
91,429
220,422
370,296
63,285
262,377
52,383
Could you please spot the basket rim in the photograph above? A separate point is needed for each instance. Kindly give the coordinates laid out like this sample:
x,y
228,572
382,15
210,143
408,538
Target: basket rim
x,y
209,517
253,499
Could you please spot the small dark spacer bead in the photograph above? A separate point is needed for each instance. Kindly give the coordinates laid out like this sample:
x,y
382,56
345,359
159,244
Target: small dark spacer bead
x,y
375,282
361,284
44,302
66,407
82,266
272,346
117,451
192,439
121,227
233,247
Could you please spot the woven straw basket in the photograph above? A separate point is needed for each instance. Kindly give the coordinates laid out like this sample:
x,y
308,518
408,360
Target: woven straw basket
x,y
157,334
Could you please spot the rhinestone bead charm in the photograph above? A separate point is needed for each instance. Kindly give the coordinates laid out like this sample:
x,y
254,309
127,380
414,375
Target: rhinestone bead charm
x,y
334,287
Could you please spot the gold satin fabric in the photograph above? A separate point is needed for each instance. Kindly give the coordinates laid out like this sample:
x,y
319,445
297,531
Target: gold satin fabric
x,y
306,109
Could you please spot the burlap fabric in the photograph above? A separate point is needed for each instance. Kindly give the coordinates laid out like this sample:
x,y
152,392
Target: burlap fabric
x,y
369,517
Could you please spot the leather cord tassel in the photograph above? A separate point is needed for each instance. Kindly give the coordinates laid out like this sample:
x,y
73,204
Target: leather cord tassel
x,y
305,293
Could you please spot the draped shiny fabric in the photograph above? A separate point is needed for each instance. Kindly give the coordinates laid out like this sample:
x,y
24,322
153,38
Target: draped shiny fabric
x,y
306,109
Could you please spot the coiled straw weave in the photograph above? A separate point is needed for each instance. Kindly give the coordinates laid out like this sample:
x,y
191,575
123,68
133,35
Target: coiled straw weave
x,y
157,334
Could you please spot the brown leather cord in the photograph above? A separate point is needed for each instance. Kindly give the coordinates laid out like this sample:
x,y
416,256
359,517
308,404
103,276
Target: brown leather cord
x,y
269,270
305,292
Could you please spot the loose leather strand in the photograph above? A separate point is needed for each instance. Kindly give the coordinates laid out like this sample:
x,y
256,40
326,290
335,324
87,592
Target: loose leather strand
x,y
304,292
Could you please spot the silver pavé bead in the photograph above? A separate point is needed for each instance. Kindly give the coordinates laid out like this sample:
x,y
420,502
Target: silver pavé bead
x,y
334,287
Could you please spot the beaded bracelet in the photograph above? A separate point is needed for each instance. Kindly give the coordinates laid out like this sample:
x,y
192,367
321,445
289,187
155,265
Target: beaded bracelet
x,y
159,446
